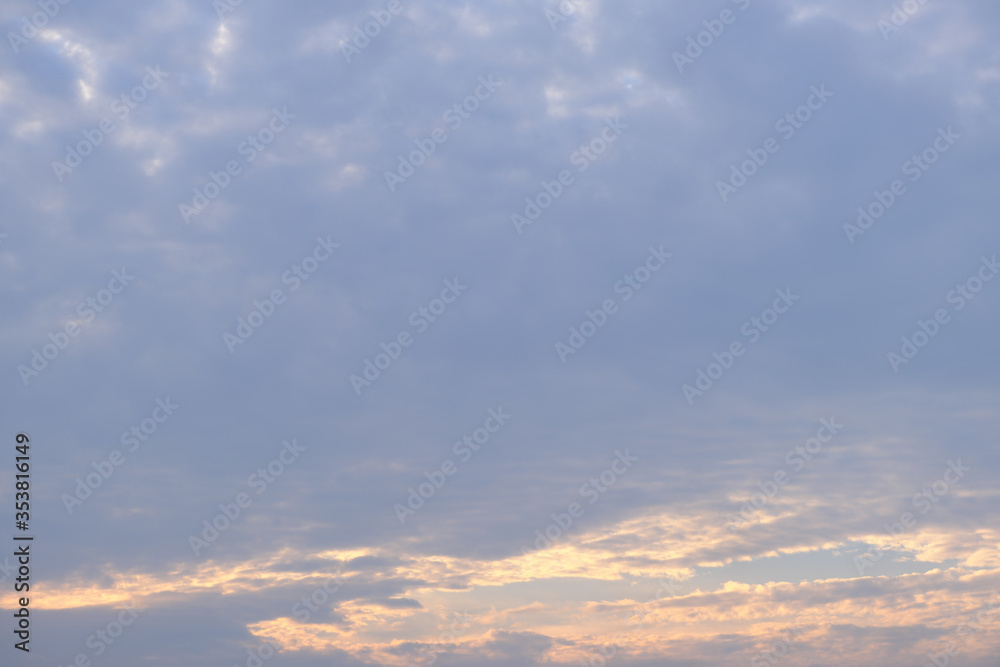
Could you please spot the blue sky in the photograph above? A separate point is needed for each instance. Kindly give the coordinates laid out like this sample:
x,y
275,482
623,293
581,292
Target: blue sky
x,y
402,300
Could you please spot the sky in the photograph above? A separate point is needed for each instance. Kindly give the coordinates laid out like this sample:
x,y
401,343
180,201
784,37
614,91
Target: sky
x,y
501,333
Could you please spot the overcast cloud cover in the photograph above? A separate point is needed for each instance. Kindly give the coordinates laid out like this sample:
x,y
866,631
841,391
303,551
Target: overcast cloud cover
x,y
686,311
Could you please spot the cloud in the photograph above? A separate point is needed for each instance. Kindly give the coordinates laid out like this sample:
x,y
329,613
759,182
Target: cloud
x,y
353,120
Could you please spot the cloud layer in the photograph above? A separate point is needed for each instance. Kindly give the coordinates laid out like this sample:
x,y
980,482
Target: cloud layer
x,y
338,327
